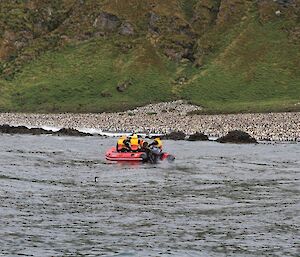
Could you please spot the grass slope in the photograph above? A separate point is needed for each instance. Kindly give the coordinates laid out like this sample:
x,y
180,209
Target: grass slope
x,y
245,65
84,79
258,71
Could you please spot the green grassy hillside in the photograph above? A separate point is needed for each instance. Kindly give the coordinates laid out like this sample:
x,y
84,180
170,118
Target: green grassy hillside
x,y
95,56
257,71
84,78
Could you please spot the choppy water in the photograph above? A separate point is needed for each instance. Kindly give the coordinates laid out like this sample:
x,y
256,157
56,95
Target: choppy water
x,y
215,200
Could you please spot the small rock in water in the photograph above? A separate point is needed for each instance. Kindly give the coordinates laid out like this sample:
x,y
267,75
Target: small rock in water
x,y
176,135
198,137
7,129
238,137
70,132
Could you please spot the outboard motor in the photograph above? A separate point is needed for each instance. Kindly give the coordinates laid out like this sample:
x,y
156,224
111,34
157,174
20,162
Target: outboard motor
x,y
154,154
144,156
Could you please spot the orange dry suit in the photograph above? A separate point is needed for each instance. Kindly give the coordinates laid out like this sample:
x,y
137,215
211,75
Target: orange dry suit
x,y
141,143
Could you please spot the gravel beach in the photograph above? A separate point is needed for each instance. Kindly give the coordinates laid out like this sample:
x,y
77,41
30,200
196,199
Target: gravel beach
x,y
167,117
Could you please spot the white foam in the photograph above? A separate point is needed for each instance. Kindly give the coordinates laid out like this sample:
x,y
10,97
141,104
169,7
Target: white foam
x,y
112,134
93,131
50,128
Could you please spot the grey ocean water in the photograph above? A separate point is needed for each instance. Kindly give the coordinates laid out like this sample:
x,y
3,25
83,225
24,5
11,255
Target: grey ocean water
x,y
214,200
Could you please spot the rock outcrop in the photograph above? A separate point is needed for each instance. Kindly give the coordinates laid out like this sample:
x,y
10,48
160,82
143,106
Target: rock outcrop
x,y
7,129
107,22
70,132
198,137
176,135
166,21
121,87
237,137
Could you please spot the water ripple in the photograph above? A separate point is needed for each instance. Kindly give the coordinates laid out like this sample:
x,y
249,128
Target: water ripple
x,y
218,200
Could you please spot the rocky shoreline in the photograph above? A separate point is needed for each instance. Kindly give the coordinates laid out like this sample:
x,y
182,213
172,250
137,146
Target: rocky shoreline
x,y
165,118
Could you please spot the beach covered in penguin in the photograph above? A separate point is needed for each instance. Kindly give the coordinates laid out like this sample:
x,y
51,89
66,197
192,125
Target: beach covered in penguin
x,y
164,118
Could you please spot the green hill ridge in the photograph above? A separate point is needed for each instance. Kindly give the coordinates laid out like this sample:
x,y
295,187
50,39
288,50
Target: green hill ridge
x,y
111,55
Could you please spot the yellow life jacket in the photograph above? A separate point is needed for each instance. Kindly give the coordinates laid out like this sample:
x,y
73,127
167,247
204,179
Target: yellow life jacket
x,y
134,143
121,142
158,142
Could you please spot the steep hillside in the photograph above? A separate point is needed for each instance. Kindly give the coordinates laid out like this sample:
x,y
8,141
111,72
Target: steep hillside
x,y
93,56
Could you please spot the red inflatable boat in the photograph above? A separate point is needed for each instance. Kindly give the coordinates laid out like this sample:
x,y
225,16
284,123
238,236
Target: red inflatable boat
x,y
113,155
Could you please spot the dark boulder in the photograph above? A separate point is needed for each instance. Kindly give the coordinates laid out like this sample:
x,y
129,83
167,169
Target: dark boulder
x,y
7,129
238,137
39,131
126,29
107,22
176,135
181,80
198,137
153,22
105,93
285,3
70,132
123,86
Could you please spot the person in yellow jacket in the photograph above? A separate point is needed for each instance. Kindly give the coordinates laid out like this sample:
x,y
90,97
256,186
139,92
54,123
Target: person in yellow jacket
x,y
121,144
157,143
134,143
